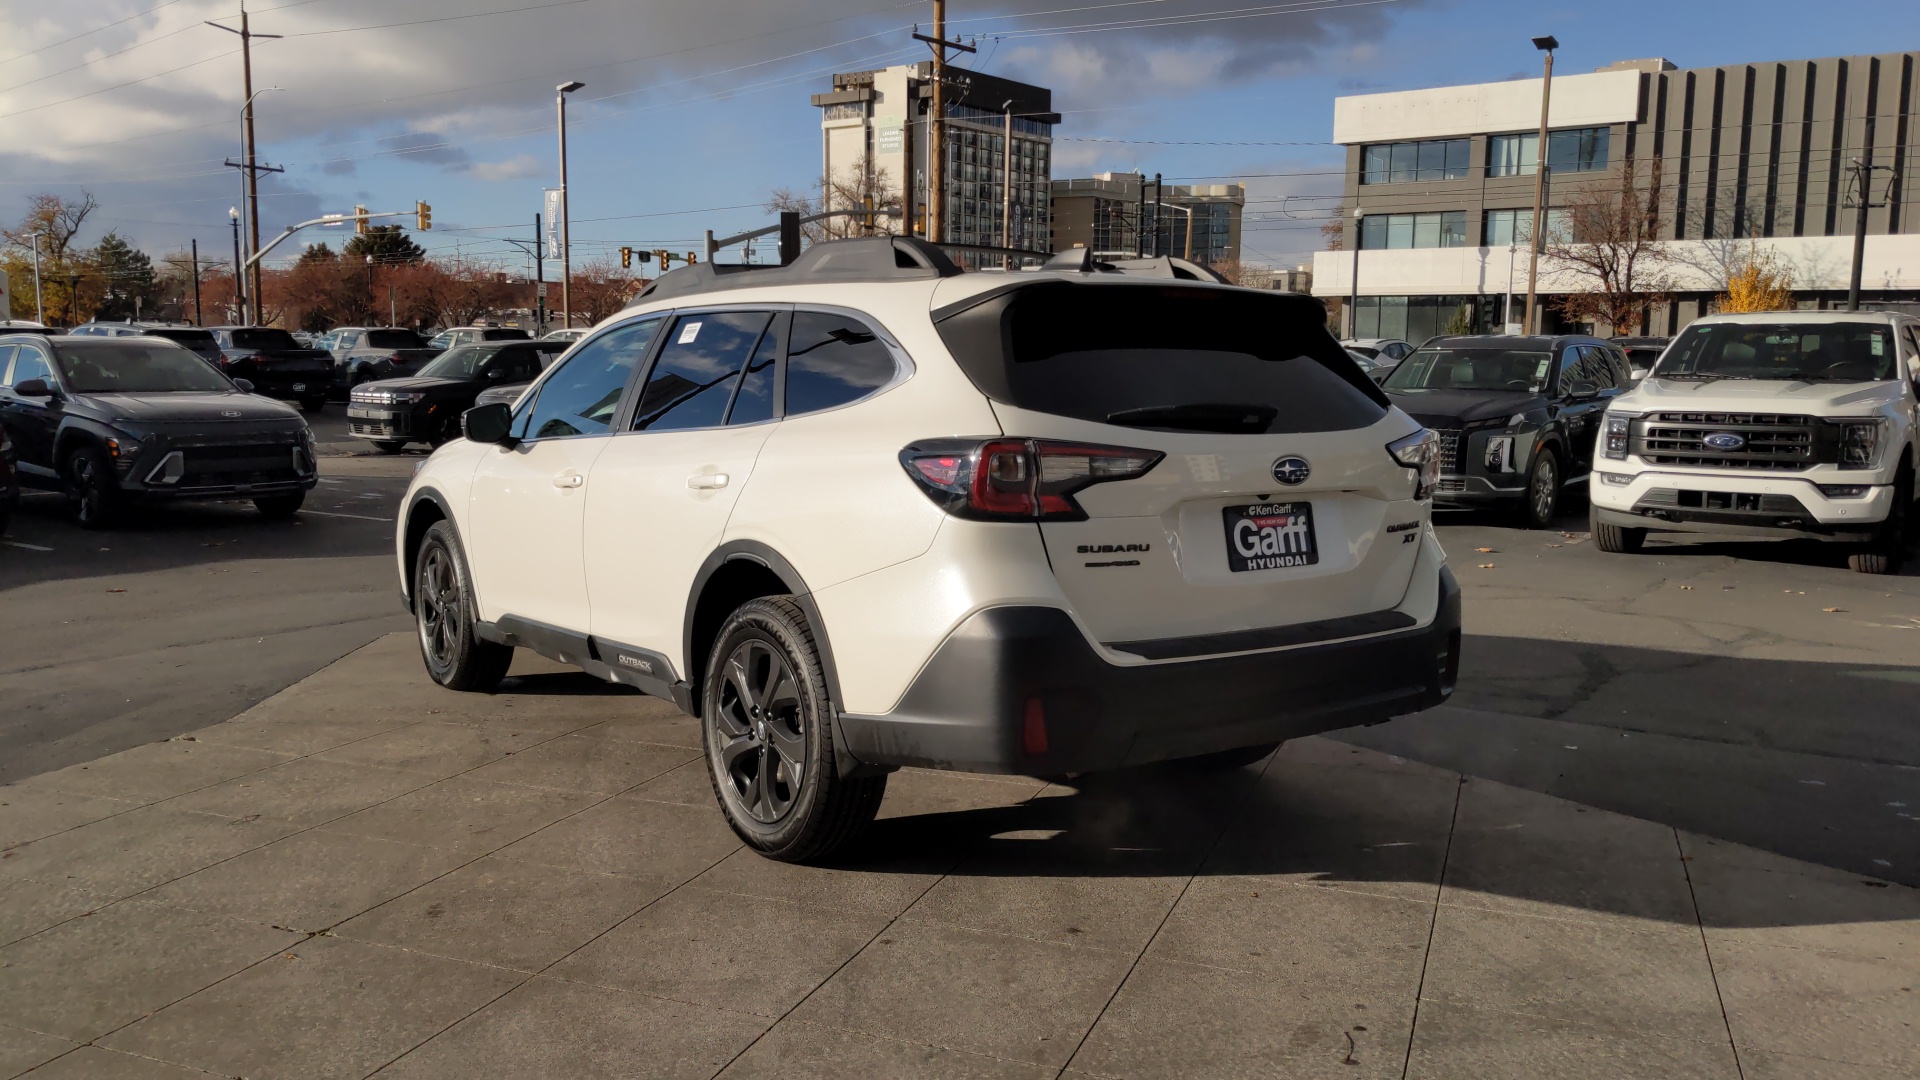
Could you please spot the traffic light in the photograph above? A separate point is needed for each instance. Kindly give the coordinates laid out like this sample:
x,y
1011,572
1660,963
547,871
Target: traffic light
x,y
360,220
626,258
423,215
665,256
691,258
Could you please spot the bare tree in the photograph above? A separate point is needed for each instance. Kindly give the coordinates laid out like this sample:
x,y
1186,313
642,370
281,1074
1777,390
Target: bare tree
x,y
858,188
1608,259
600,288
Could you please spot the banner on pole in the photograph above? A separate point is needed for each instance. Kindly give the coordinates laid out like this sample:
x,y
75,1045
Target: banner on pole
x,y
551,224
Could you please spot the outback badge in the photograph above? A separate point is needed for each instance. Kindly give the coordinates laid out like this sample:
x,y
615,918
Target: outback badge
x,y
1292,470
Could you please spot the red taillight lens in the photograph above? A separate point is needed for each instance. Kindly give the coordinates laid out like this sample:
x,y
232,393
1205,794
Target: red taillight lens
x,y
1018,479
225,360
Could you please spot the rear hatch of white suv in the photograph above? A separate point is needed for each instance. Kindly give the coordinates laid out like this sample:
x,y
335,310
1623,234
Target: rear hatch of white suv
x,y
1224,466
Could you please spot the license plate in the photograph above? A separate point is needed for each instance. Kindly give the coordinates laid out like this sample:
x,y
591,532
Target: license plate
x,y
1270,536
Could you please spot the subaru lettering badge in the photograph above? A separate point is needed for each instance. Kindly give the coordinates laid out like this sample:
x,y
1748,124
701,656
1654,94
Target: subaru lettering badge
x,y
230,413
1724,441
1291,471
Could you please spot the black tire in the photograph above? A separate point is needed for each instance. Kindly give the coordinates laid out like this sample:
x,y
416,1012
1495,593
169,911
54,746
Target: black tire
x,y
1618,539
1228,760
443,616
765,716
280,506
1888,548
314,404
1542,500
92,489
390,446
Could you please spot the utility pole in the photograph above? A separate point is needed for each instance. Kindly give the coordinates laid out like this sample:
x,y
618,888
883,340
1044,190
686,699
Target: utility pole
x,y
937,123
253,169
1546,45
1353,294
1140,218
198,318
239,269
1861,200
1006,189
1159,194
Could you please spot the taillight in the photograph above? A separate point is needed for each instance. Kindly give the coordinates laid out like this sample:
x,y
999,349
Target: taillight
x,y
1018,479
225,360
1420,452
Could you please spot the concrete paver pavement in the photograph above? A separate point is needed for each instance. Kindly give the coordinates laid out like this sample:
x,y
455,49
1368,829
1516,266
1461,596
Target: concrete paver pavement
x,y
365,874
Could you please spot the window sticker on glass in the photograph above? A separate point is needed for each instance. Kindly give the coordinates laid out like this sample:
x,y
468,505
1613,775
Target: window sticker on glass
x,y
1540,371
688,332
1879,343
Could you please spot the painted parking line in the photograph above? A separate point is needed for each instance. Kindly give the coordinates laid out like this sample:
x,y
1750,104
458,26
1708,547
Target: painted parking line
x,y
356,517
29,547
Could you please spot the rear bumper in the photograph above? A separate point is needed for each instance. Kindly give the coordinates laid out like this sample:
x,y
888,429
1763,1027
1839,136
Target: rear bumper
x,y
1019,690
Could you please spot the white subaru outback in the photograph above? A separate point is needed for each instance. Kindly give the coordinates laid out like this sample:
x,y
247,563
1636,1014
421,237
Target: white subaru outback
x,y
868,511
1779,424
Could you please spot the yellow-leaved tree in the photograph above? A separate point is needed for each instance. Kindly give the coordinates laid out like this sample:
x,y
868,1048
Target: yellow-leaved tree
x,y
1757,283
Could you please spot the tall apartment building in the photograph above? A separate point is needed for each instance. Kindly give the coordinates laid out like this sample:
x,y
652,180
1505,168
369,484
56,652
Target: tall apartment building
x,y
874,135
1125,214
1749,158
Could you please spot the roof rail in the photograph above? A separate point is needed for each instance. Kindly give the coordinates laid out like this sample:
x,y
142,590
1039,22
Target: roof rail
x,y
1081,260
865,258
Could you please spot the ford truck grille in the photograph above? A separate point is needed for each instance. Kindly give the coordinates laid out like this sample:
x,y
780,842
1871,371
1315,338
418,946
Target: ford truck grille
x,y
1760,442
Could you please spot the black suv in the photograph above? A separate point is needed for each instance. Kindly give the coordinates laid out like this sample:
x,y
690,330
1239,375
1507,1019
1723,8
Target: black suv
x,y
276,364
426,407
114,420
1517,416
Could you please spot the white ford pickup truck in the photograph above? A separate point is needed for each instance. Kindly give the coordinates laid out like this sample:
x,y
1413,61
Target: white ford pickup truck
x,y
1781,424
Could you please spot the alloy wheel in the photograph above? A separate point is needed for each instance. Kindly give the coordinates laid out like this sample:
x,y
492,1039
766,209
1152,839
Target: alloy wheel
x,y
1543,493
762,726
439,606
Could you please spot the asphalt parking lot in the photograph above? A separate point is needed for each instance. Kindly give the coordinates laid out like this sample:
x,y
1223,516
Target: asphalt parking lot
x,y
1669,826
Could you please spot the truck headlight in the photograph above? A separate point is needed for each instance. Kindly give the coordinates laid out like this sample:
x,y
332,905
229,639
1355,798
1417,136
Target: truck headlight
x,y
1860,443
1614,438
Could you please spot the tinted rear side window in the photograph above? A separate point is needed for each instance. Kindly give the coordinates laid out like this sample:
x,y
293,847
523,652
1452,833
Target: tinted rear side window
x,y
264,338
1164,357
192,339
833,360
692,381
393,339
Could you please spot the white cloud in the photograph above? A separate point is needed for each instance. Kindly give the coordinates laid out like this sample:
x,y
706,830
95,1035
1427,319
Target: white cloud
x,y
513,168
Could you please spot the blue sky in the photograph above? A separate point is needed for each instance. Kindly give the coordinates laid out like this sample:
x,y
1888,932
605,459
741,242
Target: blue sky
x,y
698,136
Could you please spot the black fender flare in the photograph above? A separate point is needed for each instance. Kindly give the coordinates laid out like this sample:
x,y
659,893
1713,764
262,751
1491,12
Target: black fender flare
x,y
72,432
423,494
756,552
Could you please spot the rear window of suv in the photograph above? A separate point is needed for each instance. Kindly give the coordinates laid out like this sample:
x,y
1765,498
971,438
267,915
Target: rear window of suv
x,y
1163,357
265,339
393,339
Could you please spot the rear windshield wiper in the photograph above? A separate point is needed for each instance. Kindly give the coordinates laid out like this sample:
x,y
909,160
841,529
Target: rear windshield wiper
x,y
1224,419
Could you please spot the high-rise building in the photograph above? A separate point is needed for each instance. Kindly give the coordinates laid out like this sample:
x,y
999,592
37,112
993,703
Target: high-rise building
x,y
1121,215
999,145
1743,161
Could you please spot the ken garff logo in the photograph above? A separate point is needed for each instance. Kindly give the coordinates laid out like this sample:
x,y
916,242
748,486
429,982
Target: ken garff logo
x,y
1725,441
1291,470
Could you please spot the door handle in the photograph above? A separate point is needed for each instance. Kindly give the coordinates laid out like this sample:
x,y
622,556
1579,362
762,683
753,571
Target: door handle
x,y
708,481
569,480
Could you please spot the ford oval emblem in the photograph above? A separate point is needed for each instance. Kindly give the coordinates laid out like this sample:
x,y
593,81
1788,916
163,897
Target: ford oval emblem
x,y
1723,441
1291,471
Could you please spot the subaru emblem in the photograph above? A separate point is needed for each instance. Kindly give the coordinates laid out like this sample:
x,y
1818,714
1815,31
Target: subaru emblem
x,y
1723,441
1291,471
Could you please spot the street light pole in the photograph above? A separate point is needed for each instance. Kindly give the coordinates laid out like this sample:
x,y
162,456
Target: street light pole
x,y
1353,295
1506,307
239,290
566,212
39,305
1546,45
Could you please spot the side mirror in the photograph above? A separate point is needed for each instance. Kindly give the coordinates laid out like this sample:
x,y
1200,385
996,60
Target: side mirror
x,y
1582,390
1379,376
33,388
496,374
245,386
488,423
1638,373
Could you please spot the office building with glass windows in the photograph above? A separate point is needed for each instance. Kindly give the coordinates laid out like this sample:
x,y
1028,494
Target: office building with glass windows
x,y
1124,215
1749,160
874,134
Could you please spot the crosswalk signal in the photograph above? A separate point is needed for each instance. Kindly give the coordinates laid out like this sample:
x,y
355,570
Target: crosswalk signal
x,y
423,215
626,258
360,220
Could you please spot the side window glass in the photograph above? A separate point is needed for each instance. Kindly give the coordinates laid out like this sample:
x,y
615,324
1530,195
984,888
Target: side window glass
x,y
833,360
753,402
29,364
581,397
691,383
6,363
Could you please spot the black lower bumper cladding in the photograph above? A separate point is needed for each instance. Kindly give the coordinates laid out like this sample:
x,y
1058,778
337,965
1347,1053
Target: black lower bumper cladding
x,y
1019,690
